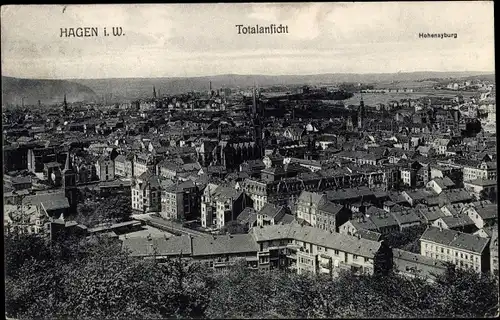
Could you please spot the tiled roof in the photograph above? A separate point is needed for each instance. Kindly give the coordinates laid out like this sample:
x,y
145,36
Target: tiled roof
x,y
430,213
489,211
406,216
287,219
414,257
364,223
369,234
351,244
457,221
50,201
161,245
383,220
311,197
227,244
482,182
330,208
224,193
270,210
248,215
456,239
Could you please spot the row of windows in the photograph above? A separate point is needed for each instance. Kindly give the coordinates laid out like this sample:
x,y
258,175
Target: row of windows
x,y
463,257
447,251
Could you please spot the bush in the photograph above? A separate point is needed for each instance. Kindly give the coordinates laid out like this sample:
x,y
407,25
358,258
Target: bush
x,y
94,279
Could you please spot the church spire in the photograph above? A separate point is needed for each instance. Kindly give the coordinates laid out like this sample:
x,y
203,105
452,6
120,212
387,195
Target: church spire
x,y
65,104
154,92
361,110
68,166
254,102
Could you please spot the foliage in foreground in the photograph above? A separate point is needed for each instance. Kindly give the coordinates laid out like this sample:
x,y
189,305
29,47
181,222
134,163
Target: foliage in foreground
x,y
94,279
111,209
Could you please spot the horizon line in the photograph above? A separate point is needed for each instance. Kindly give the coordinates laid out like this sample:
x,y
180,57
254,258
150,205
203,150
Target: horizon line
x,y
260,75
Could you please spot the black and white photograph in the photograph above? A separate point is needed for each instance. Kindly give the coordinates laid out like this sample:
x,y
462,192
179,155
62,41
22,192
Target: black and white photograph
x,y
250,160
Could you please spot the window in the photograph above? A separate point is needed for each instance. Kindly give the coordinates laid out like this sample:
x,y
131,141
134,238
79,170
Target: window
x,y
442,250
336,252
367,259
354,257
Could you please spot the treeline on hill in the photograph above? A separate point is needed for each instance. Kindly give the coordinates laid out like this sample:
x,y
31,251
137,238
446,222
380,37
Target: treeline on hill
x,y
94,279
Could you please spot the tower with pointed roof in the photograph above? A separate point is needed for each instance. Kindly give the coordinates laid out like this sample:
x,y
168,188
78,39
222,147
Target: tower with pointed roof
x,y
65,105
361,113
69,183
154,92
257,116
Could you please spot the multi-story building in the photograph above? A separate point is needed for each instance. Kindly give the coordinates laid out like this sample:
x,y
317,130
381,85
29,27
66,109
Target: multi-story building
x,y
142,163
482,214
413,265
480,188
494,252
483,170
124,167
146,193
180,201
272,214
463,249
308,204
309,249
220,204
215,252
316,210
408,177
15,157
105,168
37,157
17,183
286,191
443,170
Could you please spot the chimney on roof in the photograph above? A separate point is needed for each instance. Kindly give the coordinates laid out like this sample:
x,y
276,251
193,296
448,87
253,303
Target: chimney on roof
x,y
191,243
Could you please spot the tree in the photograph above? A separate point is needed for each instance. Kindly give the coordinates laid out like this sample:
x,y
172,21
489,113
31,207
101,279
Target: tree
x,y
490,195
20,248
466,293
95,279
233,227
111,209
101,281
407,239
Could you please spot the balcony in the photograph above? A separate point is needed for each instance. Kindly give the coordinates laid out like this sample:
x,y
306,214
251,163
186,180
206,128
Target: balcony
x,y
291,256
222,264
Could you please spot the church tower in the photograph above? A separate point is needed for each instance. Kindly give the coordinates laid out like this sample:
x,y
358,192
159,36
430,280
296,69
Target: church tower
x,y
65,105
349,124
154,92
69,183
257,116
361,114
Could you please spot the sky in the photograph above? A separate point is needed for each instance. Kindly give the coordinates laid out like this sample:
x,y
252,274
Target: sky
x,y
184,40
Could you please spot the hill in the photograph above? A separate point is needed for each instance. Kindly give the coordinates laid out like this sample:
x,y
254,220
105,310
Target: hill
x,y
47,91
131,88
